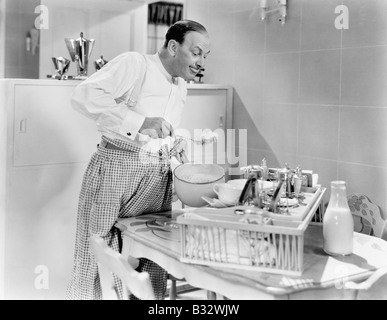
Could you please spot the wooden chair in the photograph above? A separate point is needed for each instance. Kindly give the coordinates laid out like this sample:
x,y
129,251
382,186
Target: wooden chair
x,y
367,219
109,262
367,216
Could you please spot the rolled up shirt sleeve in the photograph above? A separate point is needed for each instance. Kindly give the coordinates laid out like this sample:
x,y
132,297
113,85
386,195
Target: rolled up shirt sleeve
x,y
103,96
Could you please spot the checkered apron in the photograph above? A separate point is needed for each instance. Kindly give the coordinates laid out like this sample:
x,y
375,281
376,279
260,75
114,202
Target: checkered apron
x,y
117,184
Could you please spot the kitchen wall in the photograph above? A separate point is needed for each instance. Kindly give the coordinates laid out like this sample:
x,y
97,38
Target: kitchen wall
x,y
116,25
20,17
308,93
2,37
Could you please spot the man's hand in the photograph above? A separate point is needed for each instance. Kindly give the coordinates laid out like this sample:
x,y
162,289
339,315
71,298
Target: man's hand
x,y
156,127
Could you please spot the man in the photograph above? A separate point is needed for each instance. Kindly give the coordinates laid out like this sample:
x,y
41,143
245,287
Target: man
x,y
136,101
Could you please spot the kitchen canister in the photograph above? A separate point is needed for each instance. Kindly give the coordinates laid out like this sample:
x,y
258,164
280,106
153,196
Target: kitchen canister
x,y
338,222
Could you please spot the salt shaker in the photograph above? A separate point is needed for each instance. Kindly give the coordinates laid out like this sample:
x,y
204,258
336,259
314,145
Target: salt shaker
x,y
338,222
297,181
265,169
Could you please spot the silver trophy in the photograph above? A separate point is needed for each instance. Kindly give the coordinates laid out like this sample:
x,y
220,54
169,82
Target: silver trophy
x,y
99,63
80,50
61,67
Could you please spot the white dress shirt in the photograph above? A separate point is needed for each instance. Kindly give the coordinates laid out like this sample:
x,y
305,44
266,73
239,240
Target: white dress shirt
x,y
103,96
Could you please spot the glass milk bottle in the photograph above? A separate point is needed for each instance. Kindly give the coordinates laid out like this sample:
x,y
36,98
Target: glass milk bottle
x,y
338,222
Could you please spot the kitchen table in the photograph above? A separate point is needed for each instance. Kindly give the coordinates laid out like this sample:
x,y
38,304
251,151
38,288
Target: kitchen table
x,y
324,277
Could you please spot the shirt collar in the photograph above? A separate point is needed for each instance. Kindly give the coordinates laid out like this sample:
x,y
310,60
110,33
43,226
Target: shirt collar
x,y
163,70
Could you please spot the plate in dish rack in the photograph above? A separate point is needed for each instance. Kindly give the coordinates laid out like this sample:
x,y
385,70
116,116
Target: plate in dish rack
x,y
285,202
216,203
288,202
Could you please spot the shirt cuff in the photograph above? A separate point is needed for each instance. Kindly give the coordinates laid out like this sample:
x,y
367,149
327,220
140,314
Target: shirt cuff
x,y
132,124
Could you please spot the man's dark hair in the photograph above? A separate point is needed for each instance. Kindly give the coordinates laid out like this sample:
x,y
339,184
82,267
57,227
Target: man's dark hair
x,y
180,28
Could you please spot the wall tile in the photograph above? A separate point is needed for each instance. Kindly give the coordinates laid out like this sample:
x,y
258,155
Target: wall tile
x,y
320,77
284,37
196,10
326,170
274,159
280,127
219,7
30,73
20,17
249,77
281,77
364,76
249,33
318,131
222,43
13,72
367,23
29,6
13,51
326,71
13,6
254,109
318,25
371,181
363,133
245,117
223,67
251,5
13,25
255,139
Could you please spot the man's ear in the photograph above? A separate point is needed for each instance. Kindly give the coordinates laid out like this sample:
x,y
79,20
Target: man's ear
x,y
172,47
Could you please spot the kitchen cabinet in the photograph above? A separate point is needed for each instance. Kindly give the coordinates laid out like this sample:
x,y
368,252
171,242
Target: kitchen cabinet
x,y
44,149
208,109
44,153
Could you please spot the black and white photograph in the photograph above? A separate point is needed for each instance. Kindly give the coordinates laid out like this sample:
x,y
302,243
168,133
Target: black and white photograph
x,y
193,153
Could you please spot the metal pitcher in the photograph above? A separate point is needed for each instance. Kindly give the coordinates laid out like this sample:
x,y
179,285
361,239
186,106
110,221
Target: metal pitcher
x,y
61,67
80,51
99,63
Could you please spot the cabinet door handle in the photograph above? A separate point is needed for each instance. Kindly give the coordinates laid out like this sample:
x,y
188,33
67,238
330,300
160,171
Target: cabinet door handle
x,y
23,126
220,121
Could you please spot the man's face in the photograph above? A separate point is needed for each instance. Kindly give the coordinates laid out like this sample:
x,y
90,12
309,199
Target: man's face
x,y
191,54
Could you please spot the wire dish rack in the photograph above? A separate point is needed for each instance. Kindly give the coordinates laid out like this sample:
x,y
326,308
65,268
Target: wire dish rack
x,y
258,240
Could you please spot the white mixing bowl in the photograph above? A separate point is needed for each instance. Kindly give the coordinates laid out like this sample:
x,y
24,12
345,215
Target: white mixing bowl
x,y
192,181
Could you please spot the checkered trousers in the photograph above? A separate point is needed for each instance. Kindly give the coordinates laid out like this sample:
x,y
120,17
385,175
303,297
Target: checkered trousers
x,y
117,184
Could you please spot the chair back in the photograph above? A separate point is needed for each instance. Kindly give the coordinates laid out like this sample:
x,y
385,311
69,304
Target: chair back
x,y
109,262
362,207
364,210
